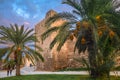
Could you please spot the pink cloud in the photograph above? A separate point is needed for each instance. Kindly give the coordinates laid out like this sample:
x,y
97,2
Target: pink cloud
x,y
26,23
5,22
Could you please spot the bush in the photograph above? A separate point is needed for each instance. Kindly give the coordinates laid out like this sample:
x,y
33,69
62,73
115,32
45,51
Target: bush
x,y
74,69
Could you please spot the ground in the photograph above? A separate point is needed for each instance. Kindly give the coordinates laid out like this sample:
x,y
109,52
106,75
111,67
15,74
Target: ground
x,y
55,77
43,75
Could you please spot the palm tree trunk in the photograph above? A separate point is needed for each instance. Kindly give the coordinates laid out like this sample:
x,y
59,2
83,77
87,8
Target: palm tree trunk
x,y
17,64
17,69
92,49
92,61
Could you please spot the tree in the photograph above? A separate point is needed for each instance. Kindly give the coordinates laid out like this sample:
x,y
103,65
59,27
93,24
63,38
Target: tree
x,y
19,42
86,23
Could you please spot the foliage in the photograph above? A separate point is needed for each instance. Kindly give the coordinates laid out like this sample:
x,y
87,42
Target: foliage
x,y
9,64
75,69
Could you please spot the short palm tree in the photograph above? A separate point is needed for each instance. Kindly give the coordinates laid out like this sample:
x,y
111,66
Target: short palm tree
x,y
19,42
89,20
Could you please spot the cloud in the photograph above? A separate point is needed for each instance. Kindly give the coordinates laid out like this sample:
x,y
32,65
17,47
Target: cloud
x,y
32,11
22,13
26,23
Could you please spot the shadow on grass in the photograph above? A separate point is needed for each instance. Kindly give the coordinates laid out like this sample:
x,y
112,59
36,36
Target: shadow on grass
x,y
56,77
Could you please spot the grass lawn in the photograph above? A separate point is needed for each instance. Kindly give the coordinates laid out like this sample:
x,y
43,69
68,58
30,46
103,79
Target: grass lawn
x,y
53,77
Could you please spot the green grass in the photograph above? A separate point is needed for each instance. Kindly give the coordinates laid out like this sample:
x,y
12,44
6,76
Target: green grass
x,y
53,77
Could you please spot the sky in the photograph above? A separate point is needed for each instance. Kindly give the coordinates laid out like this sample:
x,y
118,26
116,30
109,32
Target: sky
x,y
28,12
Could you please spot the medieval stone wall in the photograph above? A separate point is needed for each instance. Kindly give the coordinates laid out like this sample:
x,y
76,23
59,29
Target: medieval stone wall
x,y
55,60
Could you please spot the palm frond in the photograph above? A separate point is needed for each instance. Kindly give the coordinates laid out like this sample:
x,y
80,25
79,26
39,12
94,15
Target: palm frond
x,y
3,52
9,63
73,3
64,16
48,32
36,54
38,48
84,62
61,36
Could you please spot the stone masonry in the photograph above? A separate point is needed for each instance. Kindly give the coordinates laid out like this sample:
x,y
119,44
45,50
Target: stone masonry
x,y
55,60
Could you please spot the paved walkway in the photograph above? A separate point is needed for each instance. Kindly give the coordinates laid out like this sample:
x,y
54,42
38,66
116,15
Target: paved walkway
x,y
4,74
29,71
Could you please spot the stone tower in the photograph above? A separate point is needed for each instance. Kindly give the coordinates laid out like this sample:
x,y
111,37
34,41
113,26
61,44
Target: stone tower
x,y
53,59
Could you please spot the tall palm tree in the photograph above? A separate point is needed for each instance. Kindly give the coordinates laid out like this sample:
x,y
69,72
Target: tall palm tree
x,y
86,24
19,42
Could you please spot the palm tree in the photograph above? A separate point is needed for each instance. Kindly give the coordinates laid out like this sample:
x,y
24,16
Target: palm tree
x,y
86,24
19,42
